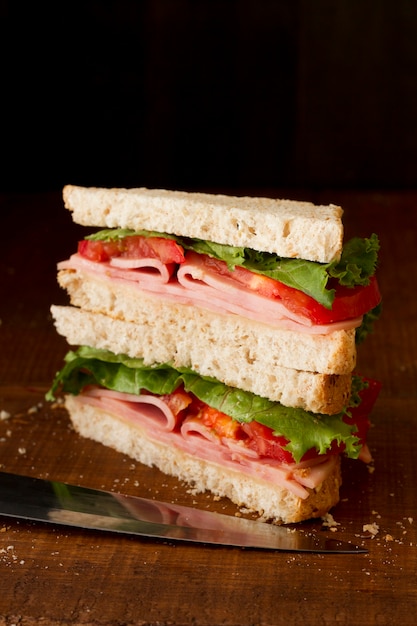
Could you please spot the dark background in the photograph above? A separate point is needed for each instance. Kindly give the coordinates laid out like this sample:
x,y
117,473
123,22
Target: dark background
x,y
209,94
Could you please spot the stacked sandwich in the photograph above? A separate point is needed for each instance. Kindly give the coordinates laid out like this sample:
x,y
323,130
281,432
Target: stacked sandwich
x,y
214,337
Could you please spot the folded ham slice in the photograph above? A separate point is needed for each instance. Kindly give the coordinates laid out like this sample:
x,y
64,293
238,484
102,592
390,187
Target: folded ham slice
x,y
196,285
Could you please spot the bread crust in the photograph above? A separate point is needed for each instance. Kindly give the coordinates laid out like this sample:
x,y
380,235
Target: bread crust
x,y
288,228
271,502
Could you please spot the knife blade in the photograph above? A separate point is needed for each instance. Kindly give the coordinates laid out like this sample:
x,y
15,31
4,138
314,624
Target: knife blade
x,y
55,502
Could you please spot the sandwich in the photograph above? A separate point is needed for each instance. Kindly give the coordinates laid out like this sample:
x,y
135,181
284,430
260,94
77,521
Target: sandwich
x,y
215,338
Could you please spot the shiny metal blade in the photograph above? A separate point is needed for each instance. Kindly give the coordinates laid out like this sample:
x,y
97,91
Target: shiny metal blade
x,y
55,502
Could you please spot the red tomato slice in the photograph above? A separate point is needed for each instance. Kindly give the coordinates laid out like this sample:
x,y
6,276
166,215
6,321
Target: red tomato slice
x,y
266,444
178,401
167,250
133,247
98,251
360,414
256,436
349,302
222,424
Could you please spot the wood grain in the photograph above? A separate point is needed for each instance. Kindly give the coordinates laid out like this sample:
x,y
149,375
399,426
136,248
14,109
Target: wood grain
x,y
56,575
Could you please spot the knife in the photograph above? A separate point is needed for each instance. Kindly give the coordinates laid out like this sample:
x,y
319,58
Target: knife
x,y
56,502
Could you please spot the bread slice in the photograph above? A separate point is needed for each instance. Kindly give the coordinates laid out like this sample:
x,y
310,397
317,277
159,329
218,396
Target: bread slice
x,y
239,352
288,228
167,323
268,500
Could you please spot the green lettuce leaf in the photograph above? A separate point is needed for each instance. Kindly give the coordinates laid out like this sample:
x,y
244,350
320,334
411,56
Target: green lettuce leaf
x,y
303,430
231,255
114,234
358,262
368,322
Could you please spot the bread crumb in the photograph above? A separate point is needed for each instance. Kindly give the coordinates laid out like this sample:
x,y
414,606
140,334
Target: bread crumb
x,y
372,529
4,415
329,521
34,409
59,402
8,556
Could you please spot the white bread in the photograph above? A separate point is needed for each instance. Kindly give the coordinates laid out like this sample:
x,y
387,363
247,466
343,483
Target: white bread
x,y
239,352
287,228
269,501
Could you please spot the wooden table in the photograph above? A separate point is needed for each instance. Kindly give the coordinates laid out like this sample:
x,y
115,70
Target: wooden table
x,y
58,575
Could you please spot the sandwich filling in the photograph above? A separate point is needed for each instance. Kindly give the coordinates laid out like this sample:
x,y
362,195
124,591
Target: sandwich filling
x,y
289,293
203,417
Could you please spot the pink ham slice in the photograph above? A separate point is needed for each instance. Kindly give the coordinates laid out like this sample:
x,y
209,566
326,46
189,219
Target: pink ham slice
x,y
152,415
144,271
154,411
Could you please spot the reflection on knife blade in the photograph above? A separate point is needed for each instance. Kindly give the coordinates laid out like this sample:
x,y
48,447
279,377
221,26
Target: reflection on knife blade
x,y
60,503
